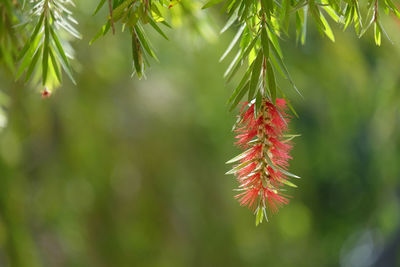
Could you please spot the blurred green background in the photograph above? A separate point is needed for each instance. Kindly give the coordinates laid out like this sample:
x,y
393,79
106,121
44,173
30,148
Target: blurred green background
x,y
121,172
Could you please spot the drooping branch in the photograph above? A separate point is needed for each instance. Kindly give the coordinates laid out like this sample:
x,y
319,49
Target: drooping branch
x,y
44,51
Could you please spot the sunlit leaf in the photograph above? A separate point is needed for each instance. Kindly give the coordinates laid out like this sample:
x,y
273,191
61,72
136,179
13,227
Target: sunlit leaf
x,y
255,74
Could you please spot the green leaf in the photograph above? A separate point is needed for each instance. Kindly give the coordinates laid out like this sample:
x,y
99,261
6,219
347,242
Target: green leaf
x,y
240,95
349,14
285,15
145,43
55,65
330,11
259,216
278,62
286,182
327,30
357,23
301,25
289,174
104,29
166,24
156,14
45,61
240,86
316,14
257,104
255,75
304,28
265,42
239,157
265,213
234,65
233,42
155,26
211,3
132,20
28,57
32,38
238,61
118,12
238,167
99,6
229,23
271,82
136,54
268,7
290,137
393,8
384,32
33,64
275,42
231,6
377,34
301,4
63,58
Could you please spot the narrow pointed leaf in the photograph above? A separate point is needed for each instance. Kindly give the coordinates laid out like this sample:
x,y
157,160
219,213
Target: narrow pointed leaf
x,y
45,61
99,6
239,157
286,182
240,86
55,65
377,34
158,29
211,3
265,43
271,81
328,31
255,75
32,38
233,42
63,58
33,64
240,95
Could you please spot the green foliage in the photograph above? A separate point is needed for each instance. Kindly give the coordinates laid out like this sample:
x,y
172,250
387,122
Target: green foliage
x,y
272,20
44,26
9,37
44,51
134,15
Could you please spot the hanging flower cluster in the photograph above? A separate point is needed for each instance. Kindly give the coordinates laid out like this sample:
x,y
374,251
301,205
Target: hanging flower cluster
x,y
262,169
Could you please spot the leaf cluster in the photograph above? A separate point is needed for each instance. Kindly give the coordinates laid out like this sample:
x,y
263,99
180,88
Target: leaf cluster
x,y
261,24
44,51
134,15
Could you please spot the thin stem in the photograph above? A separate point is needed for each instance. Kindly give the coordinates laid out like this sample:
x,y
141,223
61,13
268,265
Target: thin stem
x,y
376,11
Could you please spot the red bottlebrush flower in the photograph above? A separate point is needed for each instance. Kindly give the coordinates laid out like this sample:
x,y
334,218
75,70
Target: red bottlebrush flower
x,y
252,153
245,137
275,199
262,168
247,170
249,197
